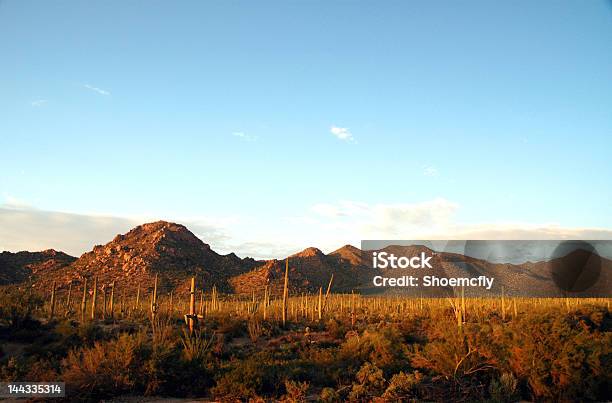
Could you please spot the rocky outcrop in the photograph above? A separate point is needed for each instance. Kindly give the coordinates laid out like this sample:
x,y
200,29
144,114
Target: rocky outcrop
x,y
22,266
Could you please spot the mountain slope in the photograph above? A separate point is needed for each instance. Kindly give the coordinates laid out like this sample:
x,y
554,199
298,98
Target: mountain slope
x,y
308,270
174,254
21,266
161,248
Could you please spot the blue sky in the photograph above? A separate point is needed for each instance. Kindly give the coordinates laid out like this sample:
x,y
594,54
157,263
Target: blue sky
x,y
271,126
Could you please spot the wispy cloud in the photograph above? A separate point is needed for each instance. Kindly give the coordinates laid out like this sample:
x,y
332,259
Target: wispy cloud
x,y
327,226
342,133
331,223
14,202
386,220
430,171
244,136
96,89
38,102
26,228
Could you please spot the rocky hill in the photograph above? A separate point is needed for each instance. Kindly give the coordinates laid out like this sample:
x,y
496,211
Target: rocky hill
x,y
308,270
174,254
161,248
22,266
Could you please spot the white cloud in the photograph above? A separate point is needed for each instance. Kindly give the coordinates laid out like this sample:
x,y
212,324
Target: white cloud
x,y
96,89
26,228
31,229
334,224
341,209
383,221
430,171
245,136
343,133
14,202
38,102
326,226
525,231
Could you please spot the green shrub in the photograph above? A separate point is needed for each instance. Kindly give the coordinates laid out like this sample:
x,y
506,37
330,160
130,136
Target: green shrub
x,y
13,370
17,307
371,383
329,395
402,386
107,368
562,357
382,347
296,391
253,376
335,328
475,350
196,345
504,389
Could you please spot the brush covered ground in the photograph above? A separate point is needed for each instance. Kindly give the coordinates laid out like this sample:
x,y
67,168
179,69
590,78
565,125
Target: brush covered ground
x,y
362,349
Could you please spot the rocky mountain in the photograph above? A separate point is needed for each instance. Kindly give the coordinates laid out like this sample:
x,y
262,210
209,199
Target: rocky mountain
x,y
21,266
174,254
167,250
526,279
308,270
351,254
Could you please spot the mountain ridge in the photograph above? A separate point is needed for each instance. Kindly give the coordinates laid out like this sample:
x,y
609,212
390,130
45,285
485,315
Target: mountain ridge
x,y
173,254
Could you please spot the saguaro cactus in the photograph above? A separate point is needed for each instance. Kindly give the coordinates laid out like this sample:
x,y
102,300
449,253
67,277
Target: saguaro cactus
x,y
112,300
104,301
137,304
52,306
320,306
265,303
154,300
285,291
192,315
352,309
329,286
84,301
68,298
503,304
93,298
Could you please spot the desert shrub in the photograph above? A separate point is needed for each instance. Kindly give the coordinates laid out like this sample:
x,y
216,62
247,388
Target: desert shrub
x,y
42,370
232,327
382,347
17,307
370,383
253,376
296,391
67,335
107,368
562,356
402,386
335,328
89,333
504,389
329,395
552,355
162,331
13,370
475,350
168,372
196,345
255,328
161,370
321,366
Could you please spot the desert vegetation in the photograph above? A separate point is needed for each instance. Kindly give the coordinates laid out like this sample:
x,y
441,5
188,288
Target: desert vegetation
x,y
106,342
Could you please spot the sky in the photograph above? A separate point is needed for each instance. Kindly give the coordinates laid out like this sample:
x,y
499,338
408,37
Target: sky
x,y
266,127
